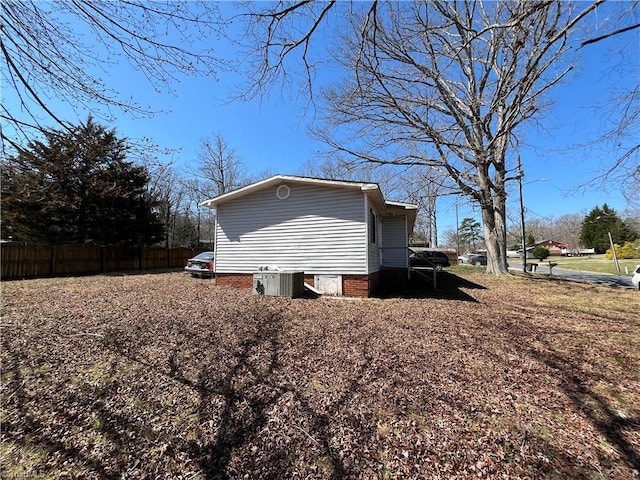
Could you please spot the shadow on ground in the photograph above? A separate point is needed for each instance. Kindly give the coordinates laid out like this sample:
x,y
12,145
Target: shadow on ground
x,y
448,286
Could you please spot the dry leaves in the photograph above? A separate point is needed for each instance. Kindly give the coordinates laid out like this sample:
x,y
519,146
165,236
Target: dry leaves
x,y
166,376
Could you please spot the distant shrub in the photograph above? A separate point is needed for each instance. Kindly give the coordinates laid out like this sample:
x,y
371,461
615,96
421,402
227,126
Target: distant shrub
x,y
540,252
628,250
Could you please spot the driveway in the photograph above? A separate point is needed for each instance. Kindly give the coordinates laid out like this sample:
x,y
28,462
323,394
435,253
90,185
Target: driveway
x,y
579,275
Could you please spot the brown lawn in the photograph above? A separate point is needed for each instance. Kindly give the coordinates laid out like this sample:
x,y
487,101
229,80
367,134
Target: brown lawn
x,y
166,376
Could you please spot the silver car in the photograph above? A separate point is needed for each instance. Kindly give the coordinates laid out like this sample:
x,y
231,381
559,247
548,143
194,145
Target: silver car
x,y
201,265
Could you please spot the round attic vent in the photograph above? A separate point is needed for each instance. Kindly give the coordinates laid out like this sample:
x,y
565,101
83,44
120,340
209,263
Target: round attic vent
x,y
283,192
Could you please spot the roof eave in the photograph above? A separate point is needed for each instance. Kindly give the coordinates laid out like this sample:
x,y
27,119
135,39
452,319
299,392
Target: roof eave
x,y
241,192
372,190
214,202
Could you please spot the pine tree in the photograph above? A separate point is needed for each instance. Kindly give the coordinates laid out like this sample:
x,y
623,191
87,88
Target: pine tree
x,y
599,223
469,232
531,240
78,187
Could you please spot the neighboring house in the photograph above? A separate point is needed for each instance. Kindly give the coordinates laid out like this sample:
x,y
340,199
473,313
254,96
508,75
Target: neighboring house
x,y
555,248
346,238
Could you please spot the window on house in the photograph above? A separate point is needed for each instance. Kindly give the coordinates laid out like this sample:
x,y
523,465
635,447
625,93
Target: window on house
x,y
372,226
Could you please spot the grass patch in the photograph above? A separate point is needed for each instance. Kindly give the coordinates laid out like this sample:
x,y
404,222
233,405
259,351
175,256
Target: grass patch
x,y
595,263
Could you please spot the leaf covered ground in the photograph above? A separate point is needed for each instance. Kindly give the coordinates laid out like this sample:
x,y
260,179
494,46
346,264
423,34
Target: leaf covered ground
x,y
167,376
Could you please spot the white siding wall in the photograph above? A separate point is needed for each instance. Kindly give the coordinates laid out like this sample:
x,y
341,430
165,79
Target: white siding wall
x,y
394,241
317,230
374,251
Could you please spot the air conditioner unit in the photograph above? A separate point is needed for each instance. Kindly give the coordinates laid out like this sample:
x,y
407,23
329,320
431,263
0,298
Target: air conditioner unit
x,y
279,284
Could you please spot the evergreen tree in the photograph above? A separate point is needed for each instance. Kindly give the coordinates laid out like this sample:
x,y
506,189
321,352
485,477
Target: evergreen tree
x,y
469,231
531,240
77,187
599,223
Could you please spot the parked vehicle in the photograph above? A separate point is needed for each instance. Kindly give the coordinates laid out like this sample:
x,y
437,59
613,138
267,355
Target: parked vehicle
x,y
464,258
436,260
201,265
636,277
477,260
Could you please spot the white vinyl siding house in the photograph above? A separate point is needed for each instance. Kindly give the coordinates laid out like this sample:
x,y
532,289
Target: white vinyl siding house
x,y
374,234
315,230
330,230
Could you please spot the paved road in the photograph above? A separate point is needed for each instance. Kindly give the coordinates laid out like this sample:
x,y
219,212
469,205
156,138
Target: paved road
x,y
579,275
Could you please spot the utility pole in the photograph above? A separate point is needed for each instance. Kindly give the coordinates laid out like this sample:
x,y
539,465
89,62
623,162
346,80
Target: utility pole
x,y
522,232
613,247
433,220
613,250
457,232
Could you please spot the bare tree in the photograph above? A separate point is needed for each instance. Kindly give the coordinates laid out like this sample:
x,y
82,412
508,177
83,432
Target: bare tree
x,y
219,169
565,228
52,50
170,191
444,85
423,186
336,168
415,185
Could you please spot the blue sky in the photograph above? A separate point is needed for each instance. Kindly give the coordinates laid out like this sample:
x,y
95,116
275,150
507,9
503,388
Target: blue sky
x,y
271,133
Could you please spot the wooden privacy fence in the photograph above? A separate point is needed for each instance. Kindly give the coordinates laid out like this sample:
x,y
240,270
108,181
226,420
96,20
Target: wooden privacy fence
x,y
27,261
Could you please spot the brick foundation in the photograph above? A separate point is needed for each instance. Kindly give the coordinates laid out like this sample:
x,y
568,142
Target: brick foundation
x,y
239,280
352,285
360,285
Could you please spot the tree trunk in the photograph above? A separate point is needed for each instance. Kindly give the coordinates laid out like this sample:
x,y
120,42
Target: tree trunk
x,y
495,238
442,85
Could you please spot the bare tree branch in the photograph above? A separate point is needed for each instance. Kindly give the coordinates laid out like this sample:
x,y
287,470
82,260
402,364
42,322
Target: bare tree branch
x,y
622,114
609,35
440,85
220,169
48,53
270,30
